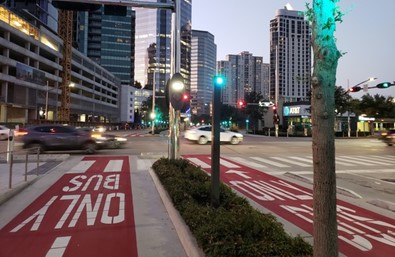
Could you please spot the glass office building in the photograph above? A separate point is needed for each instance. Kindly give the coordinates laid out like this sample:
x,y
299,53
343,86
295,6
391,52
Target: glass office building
x,y
203,65
108,40
153,45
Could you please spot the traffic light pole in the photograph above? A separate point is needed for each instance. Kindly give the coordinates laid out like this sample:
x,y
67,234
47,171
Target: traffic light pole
x,y
174,116
215,146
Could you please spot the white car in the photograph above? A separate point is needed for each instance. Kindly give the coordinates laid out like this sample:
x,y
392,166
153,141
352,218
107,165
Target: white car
x,y
4,132
202,135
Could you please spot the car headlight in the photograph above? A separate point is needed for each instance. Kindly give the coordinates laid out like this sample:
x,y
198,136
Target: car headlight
x,y
120,139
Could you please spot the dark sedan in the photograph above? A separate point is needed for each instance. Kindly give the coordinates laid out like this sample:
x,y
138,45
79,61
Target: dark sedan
x,y
56,137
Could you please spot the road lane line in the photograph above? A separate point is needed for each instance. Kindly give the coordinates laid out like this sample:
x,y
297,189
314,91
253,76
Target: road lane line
x,y
58,247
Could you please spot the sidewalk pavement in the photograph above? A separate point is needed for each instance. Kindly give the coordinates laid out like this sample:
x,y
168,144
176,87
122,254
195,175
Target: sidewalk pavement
x,y
159,228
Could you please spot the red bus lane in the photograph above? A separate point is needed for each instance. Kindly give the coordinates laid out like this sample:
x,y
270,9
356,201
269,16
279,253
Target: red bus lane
x,y
87,212
361,232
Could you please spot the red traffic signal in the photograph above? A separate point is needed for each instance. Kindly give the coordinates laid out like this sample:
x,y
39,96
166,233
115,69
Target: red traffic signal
x,y
355,89
240,103
185,97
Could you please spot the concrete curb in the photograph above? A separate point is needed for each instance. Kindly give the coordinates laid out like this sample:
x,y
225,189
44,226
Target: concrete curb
x,y
4,197
188,241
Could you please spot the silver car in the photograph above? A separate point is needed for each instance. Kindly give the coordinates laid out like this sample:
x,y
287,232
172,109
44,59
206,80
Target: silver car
x,y
4,132
202,135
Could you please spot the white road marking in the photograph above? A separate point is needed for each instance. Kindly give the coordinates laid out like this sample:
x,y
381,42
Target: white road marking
x,y
200,163
114,166
81,167
58,247
247,162
270,162
291,162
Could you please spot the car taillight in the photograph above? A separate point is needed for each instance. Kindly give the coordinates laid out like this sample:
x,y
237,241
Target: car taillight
x,y
20,132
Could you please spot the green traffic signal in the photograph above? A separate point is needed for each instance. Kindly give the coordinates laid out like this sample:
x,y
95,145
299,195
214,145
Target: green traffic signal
x,y
384,85
219,80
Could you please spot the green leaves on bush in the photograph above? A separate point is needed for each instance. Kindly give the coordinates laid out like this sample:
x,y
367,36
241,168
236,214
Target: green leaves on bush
x,y
235,228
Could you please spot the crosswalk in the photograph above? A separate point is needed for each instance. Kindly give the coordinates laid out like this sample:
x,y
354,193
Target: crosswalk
x,y
366,163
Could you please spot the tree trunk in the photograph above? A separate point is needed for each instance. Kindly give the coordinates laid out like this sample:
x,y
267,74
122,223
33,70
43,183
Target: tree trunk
x,y
326,57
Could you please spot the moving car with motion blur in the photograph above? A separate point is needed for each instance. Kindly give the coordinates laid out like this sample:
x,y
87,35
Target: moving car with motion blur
x,y
105,139
52,137
388,137
202,135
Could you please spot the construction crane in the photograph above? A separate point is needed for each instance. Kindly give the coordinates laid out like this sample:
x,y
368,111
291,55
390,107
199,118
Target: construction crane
x,y
65,30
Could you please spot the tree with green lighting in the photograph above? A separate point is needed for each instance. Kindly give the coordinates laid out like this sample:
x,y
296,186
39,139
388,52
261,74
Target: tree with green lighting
x,y
323,15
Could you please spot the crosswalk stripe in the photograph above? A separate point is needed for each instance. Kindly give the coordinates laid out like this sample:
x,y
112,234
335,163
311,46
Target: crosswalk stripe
x,y
200,163
367,159
246,162
114,166
291,162
296,161
386,158
302,159
81,167
347,162
228,164
276,164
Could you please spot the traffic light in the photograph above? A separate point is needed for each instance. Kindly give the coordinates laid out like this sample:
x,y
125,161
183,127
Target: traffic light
x,y
355,89
274,108
384,85
240,103
219,81
176,91
185,97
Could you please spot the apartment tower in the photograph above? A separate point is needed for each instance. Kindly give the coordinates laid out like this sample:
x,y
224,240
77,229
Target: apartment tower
x,y
290,56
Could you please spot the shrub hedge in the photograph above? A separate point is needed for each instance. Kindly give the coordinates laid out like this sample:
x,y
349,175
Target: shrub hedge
x,y
234,228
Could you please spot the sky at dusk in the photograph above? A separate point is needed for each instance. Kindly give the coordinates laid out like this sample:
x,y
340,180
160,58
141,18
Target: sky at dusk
x,y
367,34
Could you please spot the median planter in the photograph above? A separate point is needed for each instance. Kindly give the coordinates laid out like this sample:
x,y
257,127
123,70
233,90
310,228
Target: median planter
x,y
234,228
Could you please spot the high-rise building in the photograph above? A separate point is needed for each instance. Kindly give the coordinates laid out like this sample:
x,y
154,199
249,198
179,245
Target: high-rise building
x,y
290,56
203,65
153,45
244,74
108,40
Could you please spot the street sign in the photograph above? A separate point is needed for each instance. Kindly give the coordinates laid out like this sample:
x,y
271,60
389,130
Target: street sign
x,y
266,104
